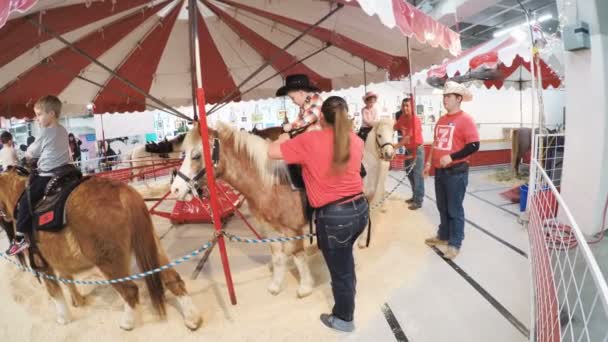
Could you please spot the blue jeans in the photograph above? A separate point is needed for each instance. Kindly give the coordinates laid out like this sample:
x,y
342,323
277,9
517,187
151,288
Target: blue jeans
x,y
338,226
450,189
416,177
37,187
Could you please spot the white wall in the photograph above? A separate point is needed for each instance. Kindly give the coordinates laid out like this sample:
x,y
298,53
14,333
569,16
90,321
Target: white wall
x,y
584,181
121,125
495,110
492,109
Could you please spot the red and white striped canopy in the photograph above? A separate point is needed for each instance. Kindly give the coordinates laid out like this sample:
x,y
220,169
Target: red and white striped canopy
x,y
147,42
509,56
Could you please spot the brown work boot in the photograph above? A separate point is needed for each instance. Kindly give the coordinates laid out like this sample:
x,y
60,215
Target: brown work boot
x,y
451,253
435,241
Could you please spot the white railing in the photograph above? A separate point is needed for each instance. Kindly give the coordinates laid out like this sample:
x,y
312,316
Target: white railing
x,y
570,294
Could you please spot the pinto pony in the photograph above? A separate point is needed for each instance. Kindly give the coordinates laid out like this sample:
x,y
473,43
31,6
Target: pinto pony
x,y
244,164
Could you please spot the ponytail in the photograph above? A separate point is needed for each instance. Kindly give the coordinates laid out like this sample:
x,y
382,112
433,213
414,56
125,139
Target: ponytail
x,y
335,112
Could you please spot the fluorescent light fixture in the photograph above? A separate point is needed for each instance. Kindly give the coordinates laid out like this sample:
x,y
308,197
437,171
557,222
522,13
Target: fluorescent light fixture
x,y
540,19
545,17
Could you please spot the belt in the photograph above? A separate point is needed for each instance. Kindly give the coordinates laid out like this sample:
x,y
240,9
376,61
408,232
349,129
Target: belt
x,y
355,199
454,169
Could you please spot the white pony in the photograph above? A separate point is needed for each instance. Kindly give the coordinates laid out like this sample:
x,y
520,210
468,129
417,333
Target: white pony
x,y
378,152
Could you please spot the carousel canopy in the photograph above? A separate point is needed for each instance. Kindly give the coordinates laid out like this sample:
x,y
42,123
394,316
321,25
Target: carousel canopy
x,y
147,43
503,61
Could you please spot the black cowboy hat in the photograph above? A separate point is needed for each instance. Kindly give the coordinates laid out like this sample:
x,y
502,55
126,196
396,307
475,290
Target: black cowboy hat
x,y
296,82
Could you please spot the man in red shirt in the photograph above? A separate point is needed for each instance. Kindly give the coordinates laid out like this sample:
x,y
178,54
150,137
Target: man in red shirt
x,y
456,138
412,139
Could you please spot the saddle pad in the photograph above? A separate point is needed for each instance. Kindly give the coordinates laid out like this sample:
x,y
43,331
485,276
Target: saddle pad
x,y
295,177
50,213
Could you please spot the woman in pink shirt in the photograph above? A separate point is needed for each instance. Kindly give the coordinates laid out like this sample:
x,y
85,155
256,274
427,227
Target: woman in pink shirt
x,y
331,161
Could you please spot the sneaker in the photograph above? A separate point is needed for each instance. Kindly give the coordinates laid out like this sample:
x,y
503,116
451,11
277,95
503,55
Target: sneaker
x,y
451,253
415,206
435,241
409,201
17,247
335,323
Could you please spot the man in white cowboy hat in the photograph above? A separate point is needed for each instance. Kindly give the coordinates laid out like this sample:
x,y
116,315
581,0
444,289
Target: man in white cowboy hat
x,y
456,139
369,114
305,95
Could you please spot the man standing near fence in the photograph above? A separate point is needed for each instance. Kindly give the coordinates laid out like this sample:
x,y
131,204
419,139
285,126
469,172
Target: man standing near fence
x,y
456,138
411,138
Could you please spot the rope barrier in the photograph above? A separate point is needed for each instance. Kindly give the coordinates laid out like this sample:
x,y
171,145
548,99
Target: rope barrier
x,y
186,257
137,276
235,238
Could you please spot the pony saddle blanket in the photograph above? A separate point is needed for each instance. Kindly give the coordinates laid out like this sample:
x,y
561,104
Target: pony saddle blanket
x,y
50,212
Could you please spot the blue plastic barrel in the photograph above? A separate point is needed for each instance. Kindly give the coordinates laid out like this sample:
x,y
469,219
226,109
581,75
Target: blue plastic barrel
x,y
523,197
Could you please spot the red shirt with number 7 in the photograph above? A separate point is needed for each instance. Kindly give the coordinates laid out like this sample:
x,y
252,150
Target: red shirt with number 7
x,y
452,133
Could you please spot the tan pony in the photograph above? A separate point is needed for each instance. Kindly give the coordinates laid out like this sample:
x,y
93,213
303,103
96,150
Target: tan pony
x,y
244,164
108,223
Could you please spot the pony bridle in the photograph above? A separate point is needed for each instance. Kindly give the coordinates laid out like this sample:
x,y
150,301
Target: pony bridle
x,y
381,146
194,182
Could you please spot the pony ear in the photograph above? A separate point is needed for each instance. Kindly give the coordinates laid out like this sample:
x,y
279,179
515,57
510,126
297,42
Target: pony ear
x,y
21,171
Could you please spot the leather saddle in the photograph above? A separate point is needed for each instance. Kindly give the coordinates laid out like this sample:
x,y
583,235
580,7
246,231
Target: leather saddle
x,y
49,213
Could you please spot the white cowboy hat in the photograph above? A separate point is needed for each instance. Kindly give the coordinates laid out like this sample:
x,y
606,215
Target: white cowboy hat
x,y
452,87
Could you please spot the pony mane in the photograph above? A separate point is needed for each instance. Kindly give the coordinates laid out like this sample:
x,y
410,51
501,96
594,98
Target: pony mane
x,y
272,172
386,121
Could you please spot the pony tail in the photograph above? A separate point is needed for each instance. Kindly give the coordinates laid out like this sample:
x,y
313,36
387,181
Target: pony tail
x,y
342,128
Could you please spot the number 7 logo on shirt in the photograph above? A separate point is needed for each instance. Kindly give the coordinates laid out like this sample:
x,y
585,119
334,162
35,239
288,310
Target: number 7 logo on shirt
x,y
443,137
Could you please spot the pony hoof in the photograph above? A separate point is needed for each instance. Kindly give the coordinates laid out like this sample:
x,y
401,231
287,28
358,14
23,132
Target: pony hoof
x,y
274,289
78,301
127,325
304,291
127,322
193,323
63,320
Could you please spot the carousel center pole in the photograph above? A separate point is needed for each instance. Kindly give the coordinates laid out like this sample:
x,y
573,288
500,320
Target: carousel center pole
x,y
200,95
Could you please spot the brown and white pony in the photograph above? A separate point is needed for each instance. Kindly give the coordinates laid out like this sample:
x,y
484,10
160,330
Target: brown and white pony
x,y
244,164
145,158
108,223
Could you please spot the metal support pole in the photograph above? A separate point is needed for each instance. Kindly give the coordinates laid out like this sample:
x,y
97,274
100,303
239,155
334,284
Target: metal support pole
x,y
364,78
82,53
80,77
193,33
215,204
276,55
412,103
216,108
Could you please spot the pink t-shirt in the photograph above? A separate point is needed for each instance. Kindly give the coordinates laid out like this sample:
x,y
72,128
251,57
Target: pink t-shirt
x,y
452,133
314,151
